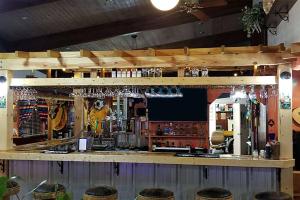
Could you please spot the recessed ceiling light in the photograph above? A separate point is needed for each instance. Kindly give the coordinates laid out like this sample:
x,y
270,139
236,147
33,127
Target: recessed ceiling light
x,y
24,18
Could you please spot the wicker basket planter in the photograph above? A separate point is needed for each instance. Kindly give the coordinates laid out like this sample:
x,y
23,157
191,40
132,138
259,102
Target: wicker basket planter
x,y
48,191
13,188
155,194
101,193
214,194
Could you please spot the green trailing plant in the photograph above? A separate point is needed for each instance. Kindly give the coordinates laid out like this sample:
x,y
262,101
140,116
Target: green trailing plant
x,y
64,196
3,186
252,19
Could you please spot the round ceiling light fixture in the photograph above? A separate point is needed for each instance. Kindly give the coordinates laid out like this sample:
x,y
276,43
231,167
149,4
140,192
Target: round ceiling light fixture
x,y
164,5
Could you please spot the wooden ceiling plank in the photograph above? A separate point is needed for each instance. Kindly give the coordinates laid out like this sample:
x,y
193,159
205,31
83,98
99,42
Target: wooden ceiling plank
x,y
21,54
86,53
53,54
295,48
9,5
102,31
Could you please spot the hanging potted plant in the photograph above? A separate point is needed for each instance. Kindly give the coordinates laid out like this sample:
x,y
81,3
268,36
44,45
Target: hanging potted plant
x,y
252,19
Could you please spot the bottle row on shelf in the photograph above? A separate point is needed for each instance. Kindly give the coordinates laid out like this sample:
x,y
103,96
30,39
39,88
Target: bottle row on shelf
x,y
149,72
127,73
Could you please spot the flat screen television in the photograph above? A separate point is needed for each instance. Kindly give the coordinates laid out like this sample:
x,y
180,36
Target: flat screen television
x,y
192,107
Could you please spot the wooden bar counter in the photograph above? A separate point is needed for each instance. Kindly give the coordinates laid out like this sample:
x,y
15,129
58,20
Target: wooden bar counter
x,y
147,157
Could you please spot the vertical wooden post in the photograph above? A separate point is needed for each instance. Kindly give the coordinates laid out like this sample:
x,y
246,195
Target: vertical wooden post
x,y
79,106
180,72
49,103
50,128
285,132
6,112
94,73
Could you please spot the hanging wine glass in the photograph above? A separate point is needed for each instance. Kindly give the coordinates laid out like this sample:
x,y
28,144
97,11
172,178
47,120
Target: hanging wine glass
x,y
274,91
232,92
252,94
263,93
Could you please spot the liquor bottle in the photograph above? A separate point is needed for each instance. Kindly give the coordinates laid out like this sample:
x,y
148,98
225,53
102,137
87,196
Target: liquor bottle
x,y
128,75
124,73
134,73
114,73
159,132
119,73
187,72
139,73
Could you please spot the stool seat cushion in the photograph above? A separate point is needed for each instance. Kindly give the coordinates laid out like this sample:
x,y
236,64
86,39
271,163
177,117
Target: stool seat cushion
x,y
156,192
46,188
214,193
101,191
272,196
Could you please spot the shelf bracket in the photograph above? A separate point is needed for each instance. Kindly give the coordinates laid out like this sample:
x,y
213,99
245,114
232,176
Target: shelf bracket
x,y
272,30
284,15
2,166
61,166
117,168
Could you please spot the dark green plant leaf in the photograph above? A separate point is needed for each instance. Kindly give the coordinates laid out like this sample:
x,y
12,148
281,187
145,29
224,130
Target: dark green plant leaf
x,y
3,185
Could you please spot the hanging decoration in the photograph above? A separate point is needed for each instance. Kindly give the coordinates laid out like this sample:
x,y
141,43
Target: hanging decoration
x,y
252,19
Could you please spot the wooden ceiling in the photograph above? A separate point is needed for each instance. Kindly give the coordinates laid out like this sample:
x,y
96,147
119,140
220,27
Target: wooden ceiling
x,y
37,25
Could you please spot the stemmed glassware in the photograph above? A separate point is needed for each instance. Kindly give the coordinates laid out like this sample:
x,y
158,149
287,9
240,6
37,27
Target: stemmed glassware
x,y
107,92
25,93
263,93
163,92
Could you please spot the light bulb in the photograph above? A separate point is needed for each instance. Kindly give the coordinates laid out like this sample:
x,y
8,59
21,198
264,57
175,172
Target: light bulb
x,y
164,5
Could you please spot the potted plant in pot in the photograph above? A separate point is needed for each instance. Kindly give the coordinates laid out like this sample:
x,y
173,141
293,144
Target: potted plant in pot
x,y
252,19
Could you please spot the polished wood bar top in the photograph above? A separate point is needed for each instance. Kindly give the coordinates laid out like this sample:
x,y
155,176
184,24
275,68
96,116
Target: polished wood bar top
x,y
148,157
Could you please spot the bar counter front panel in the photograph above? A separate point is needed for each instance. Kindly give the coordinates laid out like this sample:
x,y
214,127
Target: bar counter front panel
x,y
130,178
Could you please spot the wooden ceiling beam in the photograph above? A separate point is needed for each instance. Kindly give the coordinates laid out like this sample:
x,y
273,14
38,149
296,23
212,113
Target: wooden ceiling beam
x,y
11,5
153,21
22,54
209,60
228,39
53,54
102,31
192,81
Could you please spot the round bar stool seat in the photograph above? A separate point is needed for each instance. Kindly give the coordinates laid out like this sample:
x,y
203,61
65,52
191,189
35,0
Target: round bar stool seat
x,y
48,191
13,188
272,196
155,194
214,194
101,193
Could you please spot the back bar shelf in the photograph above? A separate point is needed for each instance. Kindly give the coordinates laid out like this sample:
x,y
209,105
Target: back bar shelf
x,y
145,81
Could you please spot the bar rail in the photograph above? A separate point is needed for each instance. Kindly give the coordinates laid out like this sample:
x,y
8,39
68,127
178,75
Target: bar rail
x,y
148,157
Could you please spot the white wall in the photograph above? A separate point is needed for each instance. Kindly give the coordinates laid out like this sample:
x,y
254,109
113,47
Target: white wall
x,y
288,32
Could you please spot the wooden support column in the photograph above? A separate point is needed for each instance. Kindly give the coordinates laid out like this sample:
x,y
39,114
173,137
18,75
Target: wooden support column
x,y
79,110
6,112
285,132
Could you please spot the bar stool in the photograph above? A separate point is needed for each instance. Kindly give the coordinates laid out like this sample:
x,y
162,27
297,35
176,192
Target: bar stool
x,y
214,194
101,193
272,196
48,191
13,188
155,194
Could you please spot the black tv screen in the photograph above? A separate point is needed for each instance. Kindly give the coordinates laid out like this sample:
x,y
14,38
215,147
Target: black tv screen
x,y
192,107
